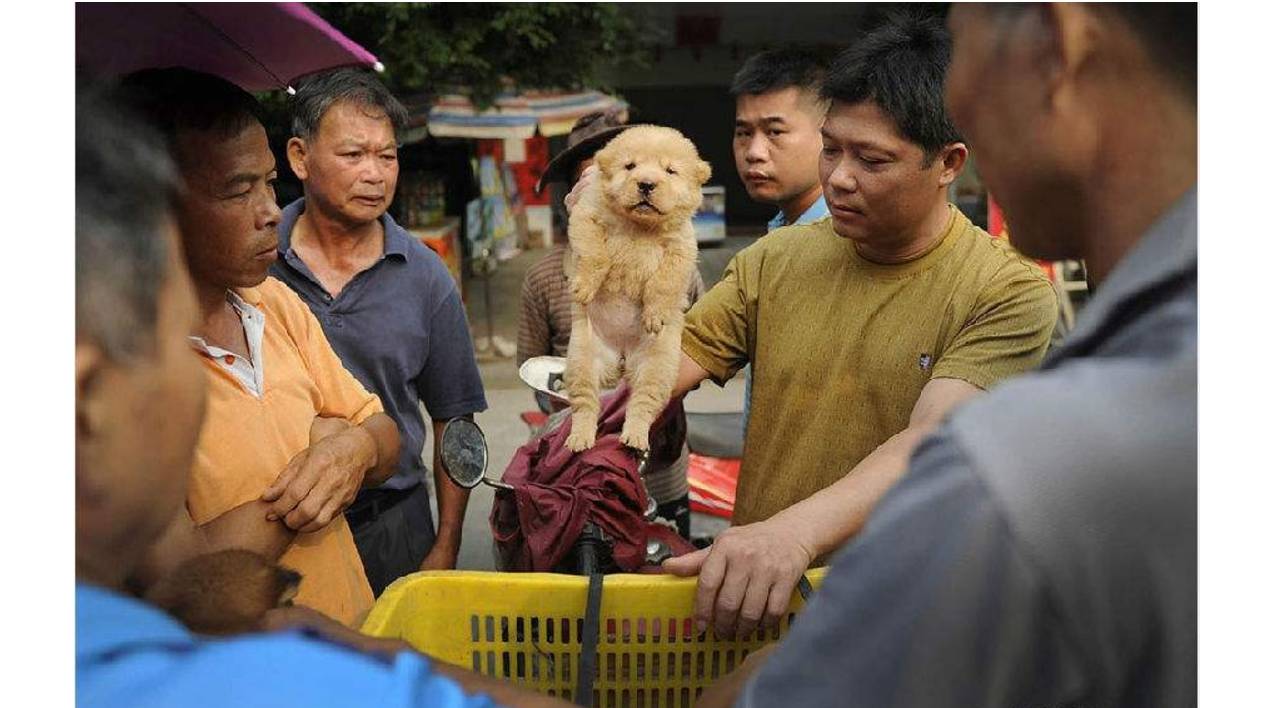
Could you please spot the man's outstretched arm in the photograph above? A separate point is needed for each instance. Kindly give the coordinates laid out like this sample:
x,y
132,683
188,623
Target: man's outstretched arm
x,y
934,604
690,376
748,575
245,526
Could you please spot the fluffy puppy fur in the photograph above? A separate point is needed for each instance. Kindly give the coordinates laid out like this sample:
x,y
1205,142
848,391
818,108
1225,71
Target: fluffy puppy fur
x,y
632,249
226,592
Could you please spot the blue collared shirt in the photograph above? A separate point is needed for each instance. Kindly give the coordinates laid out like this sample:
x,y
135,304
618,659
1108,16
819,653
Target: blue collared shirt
x,y
128,653
817,210
400,328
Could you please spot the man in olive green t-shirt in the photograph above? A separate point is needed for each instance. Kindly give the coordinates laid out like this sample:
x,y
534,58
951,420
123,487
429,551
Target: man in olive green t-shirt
x,y
864,329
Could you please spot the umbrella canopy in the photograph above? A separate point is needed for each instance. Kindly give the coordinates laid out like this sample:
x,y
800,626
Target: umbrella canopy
x,y
515,115
258,46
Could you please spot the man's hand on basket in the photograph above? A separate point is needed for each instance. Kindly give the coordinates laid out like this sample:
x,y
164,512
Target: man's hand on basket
x,y
746,577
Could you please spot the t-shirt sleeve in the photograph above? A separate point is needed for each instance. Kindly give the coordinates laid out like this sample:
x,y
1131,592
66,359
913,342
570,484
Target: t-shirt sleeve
x,y
450,383
1007,335
343,396
717,329
935,604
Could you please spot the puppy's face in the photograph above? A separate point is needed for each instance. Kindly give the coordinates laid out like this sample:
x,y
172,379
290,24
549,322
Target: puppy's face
x,y
652,176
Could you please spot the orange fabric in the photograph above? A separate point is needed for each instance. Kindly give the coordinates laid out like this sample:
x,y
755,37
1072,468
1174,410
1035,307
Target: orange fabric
x,y
247,441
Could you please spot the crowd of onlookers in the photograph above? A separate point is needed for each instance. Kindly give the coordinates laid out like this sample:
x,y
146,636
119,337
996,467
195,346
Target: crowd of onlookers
x,y
1007,526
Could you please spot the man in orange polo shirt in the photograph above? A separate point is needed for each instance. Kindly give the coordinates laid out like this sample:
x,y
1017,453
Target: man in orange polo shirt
x,y
290,436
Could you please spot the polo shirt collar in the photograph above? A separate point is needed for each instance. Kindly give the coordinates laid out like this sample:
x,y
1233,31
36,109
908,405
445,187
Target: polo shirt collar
x,y
1167,251
396,239
817,210
107,622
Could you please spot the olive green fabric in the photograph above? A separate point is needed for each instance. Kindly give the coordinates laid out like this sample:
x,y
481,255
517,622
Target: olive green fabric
x,y
841,347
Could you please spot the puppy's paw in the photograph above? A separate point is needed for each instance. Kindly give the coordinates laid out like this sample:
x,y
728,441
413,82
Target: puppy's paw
x,y
581,438
653,322
635,435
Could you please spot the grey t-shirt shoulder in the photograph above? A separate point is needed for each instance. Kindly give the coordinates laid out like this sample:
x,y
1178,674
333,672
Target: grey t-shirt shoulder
x,y
936,604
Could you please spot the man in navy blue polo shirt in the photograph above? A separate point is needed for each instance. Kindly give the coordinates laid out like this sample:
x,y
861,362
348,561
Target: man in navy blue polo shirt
x,y
388,306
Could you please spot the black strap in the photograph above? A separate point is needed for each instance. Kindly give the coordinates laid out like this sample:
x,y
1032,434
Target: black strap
x,y
587,665
804,588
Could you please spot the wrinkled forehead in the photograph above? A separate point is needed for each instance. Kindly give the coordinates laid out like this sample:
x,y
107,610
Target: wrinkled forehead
x,y
356,122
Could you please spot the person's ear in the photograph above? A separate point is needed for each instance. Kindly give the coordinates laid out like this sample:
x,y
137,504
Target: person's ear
x,y
703,171
604,160
1070,37
297,150
951,161
90,362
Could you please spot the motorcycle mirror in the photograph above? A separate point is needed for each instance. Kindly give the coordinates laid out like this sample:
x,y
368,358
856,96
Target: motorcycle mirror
x,y
464,452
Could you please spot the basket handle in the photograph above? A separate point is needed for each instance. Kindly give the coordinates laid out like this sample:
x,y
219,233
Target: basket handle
x,y
587,665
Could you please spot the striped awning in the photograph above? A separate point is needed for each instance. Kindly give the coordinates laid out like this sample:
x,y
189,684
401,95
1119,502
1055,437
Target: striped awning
x,y
515,115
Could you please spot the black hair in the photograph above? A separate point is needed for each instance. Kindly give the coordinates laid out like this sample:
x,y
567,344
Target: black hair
x,y
900,66
778,69
1170,33
175,100
125,187
319,92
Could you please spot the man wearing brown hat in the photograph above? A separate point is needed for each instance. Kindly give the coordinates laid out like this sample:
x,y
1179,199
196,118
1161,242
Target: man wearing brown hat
x,y
544,298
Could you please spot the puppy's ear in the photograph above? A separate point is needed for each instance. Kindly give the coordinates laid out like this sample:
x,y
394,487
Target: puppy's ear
x,y
703,171
604,159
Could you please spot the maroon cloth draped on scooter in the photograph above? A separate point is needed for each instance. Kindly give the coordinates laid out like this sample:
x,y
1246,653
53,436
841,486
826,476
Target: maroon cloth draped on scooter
x,y
558,490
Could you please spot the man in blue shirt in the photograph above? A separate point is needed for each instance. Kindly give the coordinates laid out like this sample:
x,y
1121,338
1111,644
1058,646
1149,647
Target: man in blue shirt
x,y
140,391
776,142
388,306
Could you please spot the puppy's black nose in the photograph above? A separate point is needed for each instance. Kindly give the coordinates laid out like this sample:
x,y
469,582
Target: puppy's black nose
x,y
646,187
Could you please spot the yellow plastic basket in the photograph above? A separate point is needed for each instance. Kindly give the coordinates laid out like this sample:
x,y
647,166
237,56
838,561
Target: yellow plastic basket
x,y
526,627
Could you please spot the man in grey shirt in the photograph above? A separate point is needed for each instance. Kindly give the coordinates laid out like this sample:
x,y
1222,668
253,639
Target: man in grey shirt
x,y
1041,549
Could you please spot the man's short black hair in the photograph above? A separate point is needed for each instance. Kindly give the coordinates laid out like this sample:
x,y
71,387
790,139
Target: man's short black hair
x,y
175,100
778,69
1170,33
319,92
125,186
900,66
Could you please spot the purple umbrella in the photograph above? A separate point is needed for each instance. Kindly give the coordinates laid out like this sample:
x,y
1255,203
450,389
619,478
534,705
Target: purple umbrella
x,y
258,46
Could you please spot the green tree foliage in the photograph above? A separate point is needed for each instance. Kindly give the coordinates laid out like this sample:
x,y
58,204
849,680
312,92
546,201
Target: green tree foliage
x,y
481,49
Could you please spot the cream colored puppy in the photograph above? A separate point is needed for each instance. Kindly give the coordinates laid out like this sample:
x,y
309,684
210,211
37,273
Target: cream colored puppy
x,y
632,252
